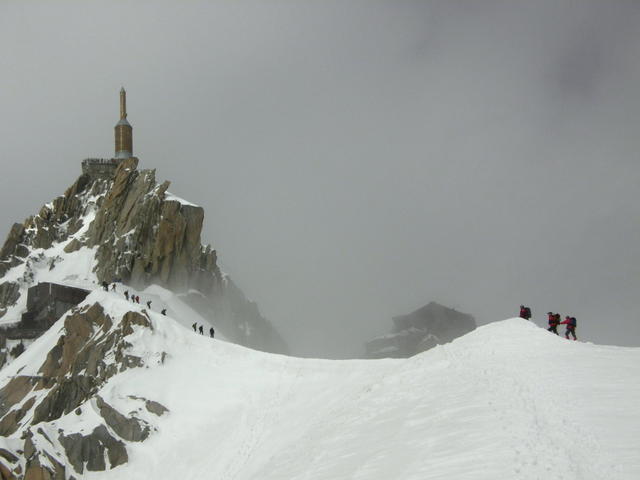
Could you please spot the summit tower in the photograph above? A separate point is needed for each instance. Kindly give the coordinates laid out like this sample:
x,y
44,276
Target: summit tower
x,y
123,130
105,168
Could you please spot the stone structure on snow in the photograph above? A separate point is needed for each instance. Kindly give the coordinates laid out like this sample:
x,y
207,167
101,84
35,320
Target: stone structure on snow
x,y
431,325
46,303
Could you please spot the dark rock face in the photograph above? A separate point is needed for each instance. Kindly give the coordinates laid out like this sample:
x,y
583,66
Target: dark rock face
x,y
91,349
9,295
155,408
14,239
89,450
421,330
131,429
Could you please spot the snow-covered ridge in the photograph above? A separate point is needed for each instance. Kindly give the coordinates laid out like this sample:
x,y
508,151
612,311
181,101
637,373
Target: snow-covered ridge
x,y
508,400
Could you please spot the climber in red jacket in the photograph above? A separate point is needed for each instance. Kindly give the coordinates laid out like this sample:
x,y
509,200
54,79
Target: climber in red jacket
x,y
570,322
554,321
525,312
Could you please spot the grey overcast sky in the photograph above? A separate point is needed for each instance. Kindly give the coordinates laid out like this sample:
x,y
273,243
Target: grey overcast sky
x,y
357,159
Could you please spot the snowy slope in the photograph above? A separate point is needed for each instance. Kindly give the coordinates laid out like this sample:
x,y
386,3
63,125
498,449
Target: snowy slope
x,y
508,400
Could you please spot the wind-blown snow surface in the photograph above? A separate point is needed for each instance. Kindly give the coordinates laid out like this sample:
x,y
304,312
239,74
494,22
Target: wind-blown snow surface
x,y
507,401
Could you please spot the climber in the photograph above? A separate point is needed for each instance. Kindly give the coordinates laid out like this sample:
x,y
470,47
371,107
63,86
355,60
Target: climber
x,y
554,320
211,332
149,304
105,286
126,294
525,312
570,322
201,330
113,287
194,327
164,312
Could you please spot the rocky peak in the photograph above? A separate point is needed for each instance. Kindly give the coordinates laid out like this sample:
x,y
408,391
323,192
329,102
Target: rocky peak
x,y
136,233
143,237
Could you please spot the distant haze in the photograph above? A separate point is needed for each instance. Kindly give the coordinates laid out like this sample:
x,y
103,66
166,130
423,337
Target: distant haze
x,y
357,159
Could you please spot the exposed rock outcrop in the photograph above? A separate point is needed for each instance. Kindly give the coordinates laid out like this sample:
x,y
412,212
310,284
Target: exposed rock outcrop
x,y
14,239
91,349
143,237
421,330
9,295
89,450
130,429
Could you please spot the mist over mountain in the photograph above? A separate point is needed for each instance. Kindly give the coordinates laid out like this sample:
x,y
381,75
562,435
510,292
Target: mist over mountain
x,y
359,159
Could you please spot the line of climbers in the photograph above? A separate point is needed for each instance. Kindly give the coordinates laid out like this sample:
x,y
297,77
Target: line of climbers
x,y
200,329
136,299
554,321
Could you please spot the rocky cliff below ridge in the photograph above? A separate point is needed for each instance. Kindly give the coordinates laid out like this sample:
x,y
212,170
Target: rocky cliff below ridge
x,y
131,230
55,423
431,325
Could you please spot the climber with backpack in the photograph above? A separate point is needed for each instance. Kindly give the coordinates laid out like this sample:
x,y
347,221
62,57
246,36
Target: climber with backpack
x,y
571,323
554,321
525,312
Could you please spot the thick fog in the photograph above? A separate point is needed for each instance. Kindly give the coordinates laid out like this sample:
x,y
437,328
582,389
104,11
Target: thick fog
x,y
357,159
